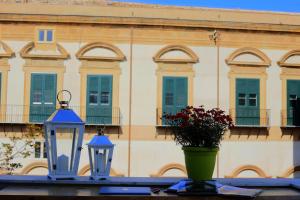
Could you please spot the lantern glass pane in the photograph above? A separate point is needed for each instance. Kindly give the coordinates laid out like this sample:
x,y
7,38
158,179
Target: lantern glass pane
x,y
66,142
49,152
93,161
103,160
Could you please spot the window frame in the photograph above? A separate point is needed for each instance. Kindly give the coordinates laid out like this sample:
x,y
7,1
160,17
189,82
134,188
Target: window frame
x,y
45,35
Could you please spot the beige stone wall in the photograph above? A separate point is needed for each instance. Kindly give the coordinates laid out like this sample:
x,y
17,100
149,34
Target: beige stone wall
x,y
265,152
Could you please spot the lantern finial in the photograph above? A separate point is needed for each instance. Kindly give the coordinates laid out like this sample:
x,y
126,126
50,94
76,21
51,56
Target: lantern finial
x,y
64,104
100,131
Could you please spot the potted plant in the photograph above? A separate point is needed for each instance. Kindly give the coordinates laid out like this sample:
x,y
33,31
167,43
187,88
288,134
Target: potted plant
x,y
200,132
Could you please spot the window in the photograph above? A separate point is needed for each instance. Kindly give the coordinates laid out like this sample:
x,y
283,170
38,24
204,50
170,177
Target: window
x,y
247,101
105,98
293,94
99,99
252,100
169,99
292,99
93,98
175,94
242,99
37,149
40,150
45,151
45,35
42,96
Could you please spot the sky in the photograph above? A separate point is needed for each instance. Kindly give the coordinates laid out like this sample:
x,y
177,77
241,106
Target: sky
x,y
262,5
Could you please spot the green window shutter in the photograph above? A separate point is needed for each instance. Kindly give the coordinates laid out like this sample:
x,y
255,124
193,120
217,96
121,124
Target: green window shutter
x,y
293,93
99,99
168,95
175,95
247,101
106,99
42,96
49,95
181,93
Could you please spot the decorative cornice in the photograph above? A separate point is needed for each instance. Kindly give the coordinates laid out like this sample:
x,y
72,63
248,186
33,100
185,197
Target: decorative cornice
x,y
139,15
8,51
25,52
265,61
119,54
193,57
285,57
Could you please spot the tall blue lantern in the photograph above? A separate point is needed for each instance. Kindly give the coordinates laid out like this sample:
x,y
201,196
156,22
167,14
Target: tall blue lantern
x,y
63,137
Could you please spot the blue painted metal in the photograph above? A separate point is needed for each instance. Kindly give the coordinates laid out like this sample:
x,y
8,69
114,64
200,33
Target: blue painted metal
x,y
100,141
64,116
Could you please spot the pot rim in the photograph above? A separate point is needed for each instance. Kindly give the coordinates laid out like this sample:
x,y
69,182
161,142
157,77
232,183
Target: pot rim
x,y
188,148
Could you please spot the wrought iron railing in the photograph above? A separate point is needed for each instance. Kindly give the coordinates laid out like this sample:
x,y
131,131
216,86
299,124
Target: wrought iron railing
x,y
290,118
23,114
250,117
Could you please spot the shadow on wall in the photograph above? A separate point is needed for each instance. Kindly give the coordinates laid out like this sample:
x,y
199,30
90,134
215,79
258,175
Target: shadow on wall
x,y
294,172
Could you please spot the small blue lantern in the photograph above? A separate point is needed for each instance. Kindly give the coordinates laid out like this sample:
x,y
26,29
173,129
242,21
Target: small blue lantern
x,y
100,155
63,137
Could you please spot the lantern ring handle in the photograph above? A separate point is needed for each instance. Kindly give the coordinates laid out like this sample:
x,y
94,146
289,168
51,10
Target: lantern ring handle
x,y
63,101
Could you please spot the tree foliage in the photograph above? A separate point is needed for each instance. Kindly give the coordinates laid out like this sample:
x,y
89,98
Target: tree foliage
x,y
18,146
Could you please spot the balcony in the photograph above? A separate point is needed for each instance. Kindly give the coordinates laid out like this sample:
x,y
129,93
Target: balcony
x,y
289,118
257,118
15,114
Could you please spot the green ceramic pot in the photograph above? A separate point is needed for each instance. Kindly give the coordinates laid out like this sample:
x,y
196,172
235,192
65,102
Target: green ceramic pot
x,y
200,162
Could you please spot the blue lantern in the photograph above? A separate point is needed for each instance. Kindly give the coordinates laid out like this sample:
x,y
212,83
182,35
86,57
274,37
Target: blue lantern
x,y
63,137
100,156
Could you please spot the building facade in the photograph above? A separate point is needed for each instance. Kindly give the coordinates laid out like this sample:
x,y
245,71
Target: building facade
x,y
126,64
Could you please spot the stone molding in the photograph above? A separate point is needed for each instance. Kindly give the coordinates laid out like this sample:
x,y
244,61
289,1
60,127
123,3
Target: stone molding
x,y
119,54
193,57
285,57
25,52
168,167
265,60
8,51
254,168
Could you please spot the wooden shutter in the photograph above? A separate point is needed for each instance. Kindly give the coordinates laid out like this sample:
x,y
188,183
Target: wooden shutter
x,y
99,99
293,93
247,113
42,96
175,95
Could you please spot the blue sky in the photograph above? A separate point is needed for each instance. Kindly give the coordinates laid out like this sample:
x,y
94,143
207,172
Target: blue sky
x,y
267,5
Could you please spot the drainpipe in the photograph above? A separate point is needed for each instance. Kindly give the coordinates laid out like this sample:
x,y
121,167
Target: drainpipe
x,y
130,101
215,37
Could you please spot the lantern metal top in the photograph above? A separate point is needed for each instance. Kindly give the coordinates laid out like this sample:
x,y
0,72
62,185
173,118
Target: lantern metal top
x,y
64,104
64,116
100,141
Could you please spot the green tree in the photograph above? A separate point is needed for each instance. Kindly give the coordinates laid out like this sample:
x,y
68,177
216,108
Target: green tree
x,y
18,146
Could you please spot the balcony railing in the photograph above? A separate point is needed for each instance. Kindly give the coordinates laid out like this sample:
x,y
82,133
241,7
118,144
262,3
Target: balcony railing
x,y
289,118
23,114
250,117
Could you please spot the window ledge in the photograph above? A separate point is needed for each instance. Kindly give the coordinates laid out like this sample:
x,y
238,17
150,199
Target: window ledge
x,y
33,187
